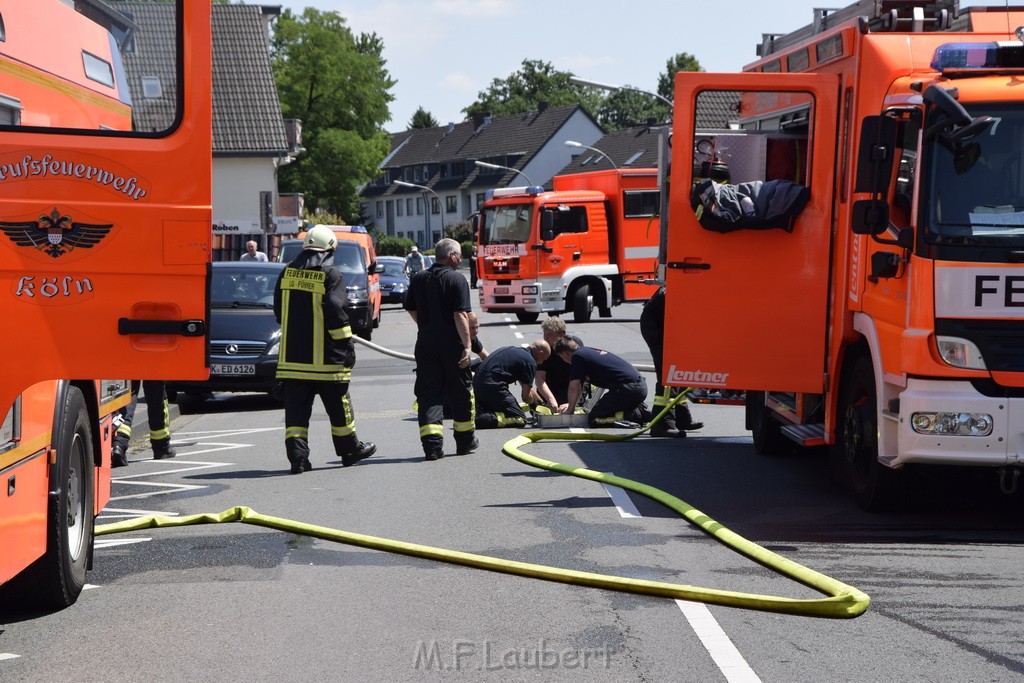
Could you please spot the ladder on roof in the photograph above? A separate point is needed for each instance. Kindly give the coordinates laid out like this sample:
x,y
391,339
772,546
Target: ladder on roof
x,y
912,16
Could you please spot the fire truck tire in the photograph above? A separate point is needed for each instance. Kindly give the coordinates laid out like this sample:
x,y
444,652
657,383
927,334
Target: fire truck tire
x,y
582,304
855,452
767,432
59,575
527,317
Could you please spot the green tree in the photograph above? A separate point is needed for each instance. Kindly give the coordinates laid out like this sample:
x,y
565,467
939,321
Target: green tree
x,y
522,91
422,119
337,84
683,61
626,108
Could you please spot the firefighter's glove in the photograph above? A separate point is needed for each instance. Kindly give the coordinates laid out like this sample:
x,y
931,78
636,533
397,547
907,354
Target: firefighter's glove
x,y
349,354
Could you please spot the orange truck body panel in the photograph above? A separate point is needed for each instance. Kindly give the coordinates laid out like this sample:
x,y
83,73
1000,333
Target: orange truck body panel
x,y
790,312
611,247
117,286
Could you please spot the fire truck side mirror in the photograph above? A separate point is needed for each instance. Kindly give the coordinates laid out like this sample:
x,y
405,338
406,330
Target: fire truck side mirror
x,y
875,156
870,217
547,225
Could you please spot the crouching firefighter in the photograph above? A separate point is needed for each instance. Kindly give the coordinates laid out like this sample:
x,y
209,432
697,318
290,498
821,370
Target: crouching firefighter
x,y
317,353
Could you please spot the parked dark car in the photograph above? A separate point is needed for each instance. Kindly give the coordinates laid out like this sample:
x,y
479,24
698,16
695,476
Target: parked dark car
x,y
393,281
350,260
244,335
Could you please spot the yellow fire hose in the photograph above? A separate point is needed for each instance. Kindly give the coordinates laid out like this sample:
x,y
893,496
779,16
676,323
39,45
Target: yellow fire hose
x,y
843,601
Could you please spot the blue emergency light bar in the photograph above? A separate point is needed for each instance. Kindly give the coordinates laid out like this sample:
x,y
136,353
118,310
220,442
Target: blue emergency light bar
x,y
995,55
512,192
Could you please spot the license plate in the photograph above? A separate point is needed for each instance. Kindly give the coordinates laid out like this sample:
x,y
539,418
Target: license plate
x,y
501,290
232,369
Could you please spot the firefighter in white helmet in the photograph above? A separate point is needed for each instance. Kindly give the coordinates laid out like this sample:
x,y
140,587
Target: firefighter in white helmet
x,y
317,353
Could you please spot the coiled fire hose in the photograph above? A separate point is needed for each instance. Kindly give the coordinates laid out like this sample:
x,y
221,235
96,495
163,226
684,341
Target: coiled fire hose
x,y
842,601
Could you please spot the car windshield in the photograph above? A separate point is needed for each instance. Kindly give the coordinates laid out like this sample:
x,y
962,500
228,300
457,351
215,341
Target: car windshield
x,y
975,191
506,224
244,287
392,269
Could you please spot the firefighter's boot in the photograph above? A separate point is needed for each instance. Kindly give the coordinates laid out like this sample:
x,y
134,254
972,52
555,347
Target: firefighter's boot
x,y
119,451
162,449
684,420
666,426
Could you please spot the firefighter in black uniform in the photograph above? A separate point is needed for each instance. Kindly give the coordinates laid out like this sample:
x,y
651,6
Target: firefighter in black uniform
x,y
438,300
496,406
317,352
652,329
159,423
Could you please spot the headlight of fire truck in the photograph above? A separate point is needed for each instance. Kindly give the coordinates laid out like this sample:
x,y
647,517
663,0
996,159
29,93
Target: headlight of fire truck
x,y
952,424
530,289
960,353
357,295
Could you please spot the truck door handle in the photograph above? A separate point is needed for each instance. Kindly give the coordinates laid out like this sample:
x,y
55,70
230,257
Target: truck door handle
x,y
186,328
687,265
541,247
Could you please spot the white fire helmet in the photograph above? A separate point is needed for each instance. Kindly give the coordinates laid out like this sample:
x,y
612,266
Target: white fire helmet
x,y
320,238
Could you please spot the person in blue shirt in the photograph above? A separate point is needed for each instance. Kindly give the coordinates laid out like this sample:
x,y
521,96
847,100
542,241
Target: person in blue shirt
x,y
625,389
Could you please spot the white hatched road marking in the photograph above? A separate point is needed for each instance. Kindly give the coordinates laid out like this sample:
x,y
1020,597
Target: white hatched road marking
x,y
8,655
722,650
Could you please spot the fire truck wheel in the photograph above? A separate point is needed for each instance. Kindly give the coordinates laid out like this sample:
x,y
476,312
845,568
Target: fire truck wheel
x,y
526,317
59,575
582,305
767,431
855,453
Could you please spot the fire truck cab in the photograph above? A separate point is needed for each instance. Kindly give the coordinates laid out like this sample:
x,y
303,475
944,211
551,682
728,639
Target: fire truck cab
x,y
885,319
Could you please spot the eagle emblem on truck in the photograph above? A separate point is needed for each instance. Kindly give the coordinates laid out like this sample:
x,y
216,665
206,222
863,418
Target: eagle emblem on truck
x,y
55,233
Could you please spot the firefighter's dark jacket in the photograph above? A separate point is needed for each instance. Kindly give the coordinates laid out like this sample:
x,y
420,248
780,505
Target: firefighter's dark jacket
x,y
309,302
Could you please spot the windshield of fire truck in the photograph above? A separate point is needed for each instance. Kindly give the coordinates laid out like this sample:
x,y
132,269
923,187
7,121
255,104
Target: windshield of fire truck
x,y
506,224
975,189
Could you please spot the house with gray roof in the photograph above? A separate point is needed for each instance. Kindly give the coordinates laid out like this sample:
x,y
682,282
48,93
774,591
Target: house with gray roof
x,y
251,140
443,183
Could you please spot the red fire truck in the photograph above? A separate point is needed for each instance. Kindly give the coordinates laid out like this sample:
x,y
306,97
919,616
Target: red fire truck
x,y
886,319
104,260
592,241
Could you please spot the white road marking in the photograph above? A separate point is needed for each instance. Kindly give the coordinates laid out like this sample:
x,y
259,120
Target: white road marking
x,y
729,660
8,655
623,503
725,655
105,542
519,335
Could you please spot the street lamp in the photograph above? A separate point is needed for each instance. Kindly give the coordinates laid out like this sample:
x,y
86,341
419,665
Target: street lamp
x,y
663,154
573,143
440,205
606,86
484,164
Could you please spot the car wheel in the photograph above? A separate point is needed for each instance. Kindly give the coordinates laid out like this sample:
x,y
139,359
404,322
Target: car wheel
x,y
526,317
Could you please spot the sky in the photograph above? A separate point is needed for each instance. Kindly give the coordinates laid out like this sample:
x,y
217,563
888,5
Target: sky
x,y
442,53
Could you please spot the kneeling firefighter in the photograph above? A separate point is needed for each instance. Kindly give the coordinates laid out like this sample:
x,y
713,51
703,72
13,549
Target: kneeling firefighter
x,y
317,353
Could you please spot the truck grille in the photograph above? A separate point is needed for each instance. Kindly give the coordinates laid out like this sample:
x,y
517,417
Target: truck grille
x,y
247,348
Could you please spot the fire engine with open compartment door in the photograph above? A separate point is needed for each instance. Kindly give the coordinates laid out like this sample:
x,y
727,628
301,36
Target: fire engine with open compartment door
x,y
104,263
887,319
590,242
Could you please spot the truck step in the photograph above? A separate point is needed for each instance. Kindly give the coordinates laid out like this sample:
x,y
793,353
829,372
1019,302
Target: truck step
x,y
806,434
